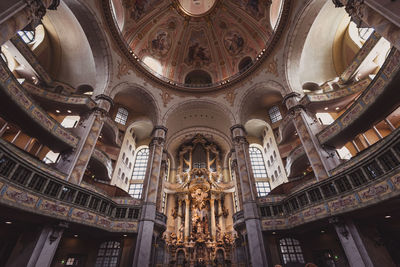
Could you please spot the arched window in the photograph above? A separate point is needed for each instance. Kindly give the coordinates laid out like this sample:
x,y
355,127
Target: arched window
x,y
276,173
27,36
274,154
263,188
257,163
108,254
139,169
122,116
275,114
291,250
279,169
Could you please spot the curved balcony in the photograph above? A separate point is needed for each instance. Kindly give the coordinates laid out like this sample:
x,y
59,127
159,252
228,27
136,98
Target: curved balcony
x,y
25,56
374,104
51,101
19,108
28,185
367,179
110,132
101,165
286,129
296,162
317,102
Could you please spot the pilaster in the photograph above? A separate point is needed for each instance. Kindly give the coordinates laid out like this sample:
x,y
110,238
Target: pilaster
x,y
352,243
151,186
248,196
321,159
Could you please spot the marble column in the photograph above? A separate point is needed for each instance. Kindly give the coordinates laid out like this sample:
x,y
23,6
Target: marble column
x,y
321,159
212,213
220,211
179,218
248,195
187,218
16,15
352,243
150,191
371,13
74,163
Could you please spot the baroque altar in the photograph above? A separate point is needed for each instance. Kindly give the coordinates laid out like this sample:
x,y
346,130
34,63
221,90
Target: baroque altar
x,y
200,236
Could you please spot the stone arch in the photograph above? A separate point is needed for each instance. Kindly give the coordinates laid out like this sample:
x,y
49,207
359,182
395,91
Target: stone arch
x,y
257,98
143,100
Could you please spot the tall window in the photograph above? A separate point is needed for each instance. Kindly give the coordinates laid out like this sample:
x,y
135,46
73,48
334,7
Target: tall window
x,y
108,254
291,250
27,36
257,163
139,169
263,188
274,114
122,116
135,190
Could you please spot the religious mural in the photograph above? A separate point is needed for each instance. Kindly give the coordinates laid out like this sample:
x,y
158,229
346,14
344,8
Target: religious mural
x,y
180,42
234,42
138,8
256,8
161,43
198,52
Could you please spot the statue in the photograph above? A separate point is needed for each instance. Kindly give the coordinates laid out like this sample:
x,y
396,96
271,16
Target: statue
x,y
174,213
218,233
172,238
180,234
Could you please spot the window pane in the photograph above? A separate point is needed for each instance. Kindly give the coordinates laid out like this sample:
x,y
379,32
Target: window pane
x,y
122,116
275,114
257,163
139,169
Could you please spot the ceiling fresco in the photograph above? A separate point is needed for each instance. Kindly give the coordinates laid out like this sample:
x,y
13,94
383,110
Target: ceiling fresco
x,y
175,37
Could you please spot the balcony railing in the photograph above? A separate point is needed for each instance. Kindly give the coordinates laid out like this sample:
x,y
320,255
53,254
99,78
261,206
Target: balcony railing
x,y
371,177
29,185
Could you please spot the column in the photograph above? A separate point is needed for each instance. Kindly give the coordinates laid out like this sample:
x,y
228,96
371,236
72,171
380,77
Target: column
x,y
321,159
74,163
352,243
16,15
248,195
212,211
150,190
42,251
220,222
368,13
187,218
179,219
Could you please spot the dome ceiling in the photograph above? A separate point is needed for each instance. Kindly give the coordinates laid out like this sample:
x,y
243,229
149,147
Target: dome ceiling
x,y
197,43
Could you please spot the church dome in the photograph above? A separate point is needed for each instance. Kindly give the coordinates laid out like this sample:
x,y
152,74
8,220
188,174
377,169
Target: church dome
x,y
196,45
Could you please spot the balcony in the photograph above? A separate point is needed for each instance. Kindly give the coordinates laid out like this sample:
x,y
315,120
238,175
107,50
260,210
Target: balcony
x,y
110,132
296,162
101,165
374,104
77,104
29,185
19,108
371,177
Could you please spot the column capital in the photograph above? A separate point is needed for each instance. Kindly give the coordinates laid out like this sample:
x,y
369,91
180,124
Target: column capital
x,y
238,128
104,101
157,141
237,140
160,128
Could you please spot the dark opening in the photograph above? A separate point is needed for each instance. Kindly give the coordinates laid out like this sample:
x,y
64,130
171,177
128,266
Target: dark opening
x,y
198,77
245,63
